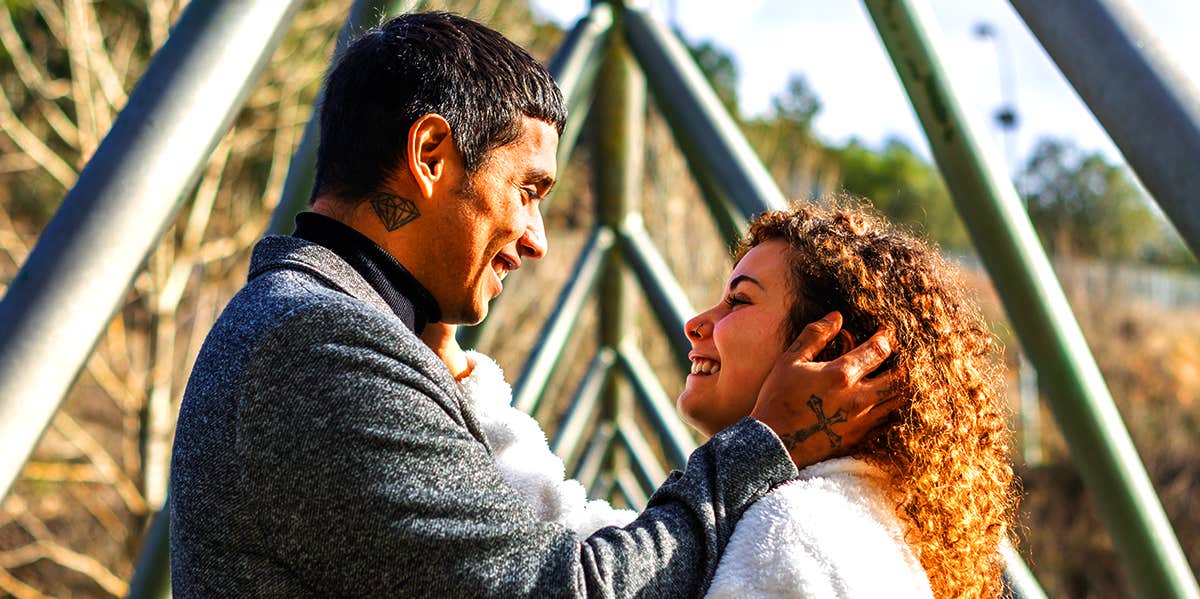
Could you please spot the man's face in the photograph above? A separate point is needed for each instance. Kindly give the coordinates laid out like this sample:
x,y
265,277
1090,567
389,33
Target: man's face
x,y
494,221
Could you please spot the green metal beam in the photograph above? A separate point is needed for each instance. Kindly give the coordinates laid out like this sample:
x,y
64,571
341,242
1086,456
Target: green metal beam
x,y
591,464
65,294
736,183
531,384
1019,579
574,66
650,472
678,443
1145,102
631,490
584,405
667,299
152,572
619,113
1039,311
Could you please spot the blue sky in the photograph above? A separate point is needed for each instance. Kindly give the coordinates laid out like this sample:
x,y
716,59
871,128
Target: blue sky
x,y
834,45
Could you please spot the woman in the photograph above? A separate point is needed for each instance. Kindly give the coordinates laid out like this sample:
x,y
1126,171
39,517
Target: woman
x,y
921,506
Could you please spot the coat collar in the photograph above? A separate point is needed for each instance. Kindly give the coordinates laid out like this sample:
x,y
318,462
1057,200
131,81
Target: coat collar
x,y
282,251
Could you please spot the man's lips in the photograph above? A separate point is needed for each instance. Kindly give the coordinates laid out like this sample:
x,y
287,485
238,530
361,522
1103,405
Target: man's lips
x,y
501,266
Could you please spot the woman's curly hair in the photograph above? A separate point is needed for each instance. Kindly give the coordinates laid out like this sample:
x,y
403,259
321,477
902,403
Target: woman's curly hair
x,y
947,450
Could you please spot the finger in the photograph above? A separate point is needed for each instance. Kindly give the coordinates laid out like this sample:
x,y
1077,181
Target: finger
x,y
816,336
865,358
880,390
880,413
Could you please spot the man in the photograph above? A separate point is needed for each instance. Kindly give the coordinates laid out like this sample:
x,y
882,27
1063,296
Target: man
x,y
323,449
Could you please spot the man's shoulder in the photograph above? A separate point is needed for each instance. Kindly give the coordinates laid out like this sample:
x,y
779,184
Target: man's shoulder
x,y
301,296
290,310
292,280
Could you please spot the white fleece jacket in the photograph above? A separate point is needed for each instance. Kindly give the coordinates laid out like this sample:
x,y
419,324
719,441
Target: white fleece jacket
x,y
524,458
831,533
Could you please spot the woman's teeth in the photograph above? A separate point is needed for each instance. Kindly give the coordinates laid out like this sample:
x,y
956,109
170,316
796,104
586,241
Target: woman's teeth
x,y
703,366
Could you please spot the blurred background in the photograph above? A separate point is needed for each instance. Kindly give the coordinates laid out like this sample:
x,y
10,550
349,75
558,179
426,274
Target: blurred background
x,y
813,91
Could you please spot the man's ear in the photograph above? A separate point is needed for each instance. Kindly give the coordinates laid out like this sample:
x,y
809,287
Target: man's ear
x,y
430,145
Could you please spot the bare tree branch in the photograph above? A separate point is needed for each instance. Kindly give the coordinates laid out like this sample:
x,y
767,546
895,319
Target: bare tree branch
x,y
102,460
52,14
45,549
99,510
62,472
32,145
19,590
102,66
160,21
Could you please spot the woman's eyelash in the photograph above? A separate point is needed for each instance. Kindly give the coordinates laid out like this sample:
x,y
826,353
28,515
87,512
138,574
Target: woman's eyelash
x,y
733,300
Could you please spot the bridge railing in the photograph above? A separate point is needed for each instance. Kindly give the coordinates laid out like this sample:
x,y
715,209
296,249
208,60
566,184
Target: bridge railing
x,y
63,296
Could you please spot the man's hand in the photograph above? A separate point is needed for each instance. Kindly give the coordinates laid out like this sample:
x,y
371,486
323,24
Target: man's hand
x,y
440,337
821,409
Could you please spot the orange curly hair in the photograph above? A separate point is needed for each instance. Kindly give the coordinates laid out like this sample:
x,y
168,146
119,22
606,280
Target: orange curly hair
x,y
947,451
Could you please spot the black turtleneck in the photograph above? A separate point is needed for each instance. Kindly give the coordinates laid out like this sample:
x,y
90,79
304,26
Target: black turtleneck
x,y
402,292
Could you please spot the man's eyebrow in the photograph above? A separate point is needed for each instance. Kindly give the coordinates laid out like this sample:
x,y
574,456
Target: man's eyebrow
x,y
540,177
738,279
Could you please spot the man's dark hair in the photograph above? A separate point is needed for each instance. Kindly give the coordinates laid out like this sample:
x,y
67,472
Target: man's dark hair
x,y
417,64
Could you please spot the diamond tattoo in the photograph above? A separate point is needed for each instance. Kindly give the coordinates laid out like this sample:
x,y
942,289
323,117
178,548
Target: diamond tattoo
x,y
394,211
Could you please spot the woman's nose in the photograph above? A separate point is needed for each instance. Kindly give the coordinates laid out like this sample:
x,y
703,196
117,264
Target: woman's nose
x,y
694,328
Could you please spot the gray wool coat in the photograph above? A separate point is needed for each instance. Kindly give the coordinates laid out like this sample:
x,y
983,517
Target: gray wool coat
x,y
323,450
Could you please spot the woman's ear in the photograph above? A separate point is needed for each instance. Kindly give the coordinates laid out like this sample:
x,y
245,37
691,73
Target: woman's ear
x,y
430,146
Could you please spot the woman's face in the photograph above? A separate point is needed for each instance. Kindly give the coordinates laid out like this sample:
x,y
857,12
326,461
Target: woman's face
x,y
736,342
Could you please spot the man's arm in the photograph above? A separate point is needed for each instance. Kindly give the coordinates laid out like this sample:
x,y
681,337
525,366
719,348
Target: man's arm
x,y
365,480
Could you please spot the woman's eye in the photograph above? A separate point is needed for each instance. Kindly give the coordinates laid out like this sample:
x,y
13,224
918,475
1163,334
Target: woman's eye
x,y
734,300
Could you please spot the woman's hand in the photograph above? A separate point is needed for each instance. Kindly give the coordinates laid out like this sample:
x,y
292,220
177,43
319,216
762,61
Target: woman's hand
x,y
822,409
440,337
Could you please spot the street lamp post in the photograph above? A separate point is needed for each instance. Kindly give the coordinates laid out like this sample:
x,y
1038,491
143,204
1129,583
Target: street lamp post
x,y
1006,118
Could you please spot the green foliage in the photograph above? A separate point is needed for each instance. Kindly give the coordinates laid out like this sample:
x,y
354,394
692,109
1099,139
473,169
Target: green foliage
x,y
904,187
797,105
900,183
721,71
1081,204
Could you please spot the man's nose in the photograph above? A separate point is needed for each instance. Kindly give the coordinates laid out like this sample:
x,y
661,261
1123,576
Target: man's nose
x,y
533,243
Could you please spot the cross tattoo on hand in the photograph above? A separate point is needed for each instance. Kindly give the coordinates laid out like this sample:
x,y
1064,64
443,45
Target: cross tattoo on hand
x,y
816,404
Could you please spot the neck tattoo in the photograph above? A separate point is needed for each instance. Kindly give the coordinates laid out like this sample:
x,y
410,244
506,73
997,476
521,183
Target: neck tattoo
x,y
393,210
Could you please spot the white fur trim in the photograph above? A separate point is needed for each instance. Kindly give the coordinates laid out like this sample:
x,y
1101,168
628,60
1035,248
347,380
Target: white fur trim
x,y
524,458
833,532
